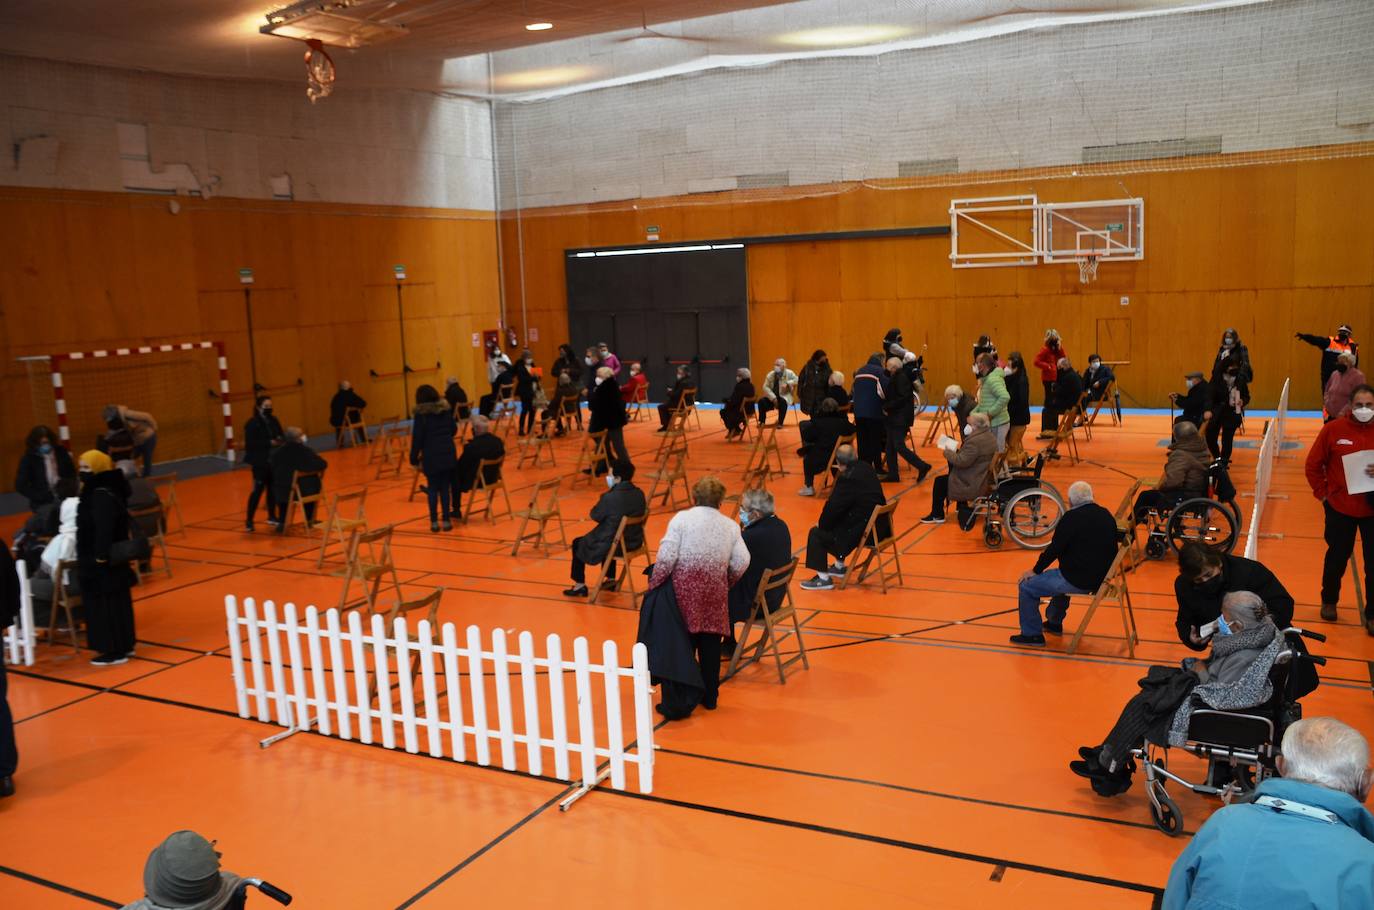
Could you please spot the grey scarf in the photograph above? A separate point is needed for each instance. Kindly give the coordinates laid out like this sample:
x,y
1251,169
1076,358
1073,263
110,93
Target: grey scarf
x,y
1253,688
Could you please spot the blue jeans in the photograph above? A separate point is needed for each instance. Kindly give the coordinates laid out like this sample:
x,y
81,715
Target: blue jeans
x,y
145,451
1049,583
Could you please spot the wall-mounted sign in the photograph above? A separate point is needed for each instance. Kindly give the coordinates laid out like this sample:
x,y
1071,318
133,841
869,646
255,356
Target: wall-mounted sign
x,y
245,276
400,271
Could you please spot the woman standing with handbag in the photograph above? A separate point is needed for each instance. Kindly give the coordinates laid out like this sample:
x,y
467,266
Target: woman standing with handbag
x,y
433,451
102,525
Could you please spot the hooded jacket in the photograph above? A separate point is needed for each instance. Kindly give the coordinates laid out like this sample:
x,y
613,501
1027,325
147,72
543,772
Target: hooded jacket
x,y
431,438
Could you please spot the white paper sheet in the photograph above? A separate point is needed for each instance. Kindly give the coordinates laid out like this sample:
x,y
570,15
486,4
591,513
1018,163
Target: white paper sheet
x,y
947,443
1356,481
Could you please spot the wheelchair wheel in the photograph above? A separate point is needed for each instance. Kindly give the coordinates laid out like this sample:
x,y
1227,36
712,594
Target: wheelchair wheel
x,y
992,535
1166,814
1031,516
1155,547
1204,520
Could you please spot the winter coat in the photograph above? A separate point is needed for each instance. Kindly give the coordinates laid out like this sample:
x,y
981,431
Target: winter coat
x,y
1048,361
1185,471
259,433
1219,400
856,493
624,500
31,480
455,395
819,435
343,401
769,543
1084,544
899,405
678,389
732,410
632,386
1193,404
812,385
782,386
969,464
1239,354
870,387
606,407
704,554
1096,381
524,380
570,365
102,519
1253,856
1326,471
1339,389
994,399
837,394
289,458
431,438
1068,390
482,447
1196,607
1018,398
1236,676
663,631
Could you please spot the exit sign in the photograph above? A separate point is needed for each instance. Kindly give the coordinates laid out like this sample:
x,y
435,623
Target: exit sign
x,y
1118,226
245,276
400,271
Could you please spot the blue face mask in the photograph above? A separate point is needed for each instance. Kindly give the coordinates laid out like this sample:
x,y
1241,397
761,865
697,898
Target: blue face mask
x,y
1222,627
45,448
744,519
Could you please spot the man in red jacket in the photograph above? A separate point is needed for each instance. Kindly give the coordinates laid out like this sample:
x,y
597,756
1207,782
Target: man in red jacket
x,y
1346,512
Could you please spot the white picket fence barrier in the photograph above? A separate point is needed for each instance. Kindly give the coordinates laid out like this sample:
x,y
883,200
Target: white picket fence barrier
x,y
20,636
1264,470
322,677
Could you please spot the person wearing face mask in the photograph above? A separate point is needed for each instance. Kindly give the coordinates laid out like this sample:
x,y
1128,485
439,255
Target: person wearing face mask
x,y
1304,839
1048,362
1346,513
565,395
607,412
899,413
870,389
734,411
42,465
1234,676
892,344
769,543
779,390
622,499
102,519
1206,576
261,435
608,359
812,382
1227,397
593,361
1066,397
345,400
497,362
968,473
433,451
839,529
1018,407
1096,378
960,404
1345,379
1333,346
629,392
819,435
568,362
993,397
506,377
983,346
1192,404
526,378
1232,352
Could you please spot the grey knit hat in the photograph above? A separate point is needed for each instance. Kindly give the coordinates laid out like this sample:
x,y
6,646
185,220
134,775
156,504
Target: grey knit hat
x,y
183,873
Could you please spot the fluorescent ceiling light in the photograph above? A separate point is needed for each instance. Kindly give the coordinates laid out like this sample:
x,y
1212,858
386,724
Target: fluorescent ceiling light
x,y
845,35
539,26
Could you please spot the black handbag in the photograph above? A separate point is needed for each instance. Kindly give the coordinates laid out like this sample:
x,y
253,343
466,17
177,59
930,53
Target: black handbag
x,y
135,549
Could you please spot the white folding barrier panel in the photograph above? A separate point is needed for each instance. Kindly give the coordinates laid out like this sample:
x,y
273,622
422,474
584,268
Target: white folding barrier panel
x,y
19,637
1264,471
369,684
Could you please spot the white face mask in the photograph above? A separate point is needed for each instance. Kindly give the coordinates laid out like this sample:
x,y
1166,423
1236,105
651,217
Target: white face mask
x,y
588,361
1190,382
968,429
600,379
1363,414
610,480
975,369
1007,371
1228,343
1093,366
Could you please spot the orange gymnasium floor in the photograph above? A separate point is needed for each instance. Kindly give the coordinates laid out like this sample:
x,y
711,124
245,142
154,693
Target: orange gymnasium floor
x,y
920,762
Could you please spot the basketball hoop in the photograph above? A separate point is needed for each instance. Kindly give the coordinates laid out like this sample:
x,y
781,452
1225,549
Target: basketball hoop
x,y
1087,267
319,71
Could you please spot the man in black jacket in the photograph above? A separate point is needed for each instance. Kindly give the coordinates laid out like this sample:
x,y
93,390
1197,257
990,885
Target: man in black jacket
x,y
483,446
507,377
9,614
1068,390
1332,347
841,526
344,400
899,413
770,547
675,393
622,500
1085,545
607,411
456,395
819,435
261,435
1206,575
1192,404
291,456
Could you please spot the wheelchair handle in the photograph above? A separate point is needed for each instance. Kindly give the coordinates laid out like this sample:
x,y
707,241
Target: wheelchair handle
x,y
1319,661
270,890
1315,636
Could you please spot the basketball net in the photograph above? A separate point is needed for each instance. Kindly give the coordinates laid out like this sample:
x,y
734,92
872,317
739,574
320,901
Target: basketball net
x,y
1087,268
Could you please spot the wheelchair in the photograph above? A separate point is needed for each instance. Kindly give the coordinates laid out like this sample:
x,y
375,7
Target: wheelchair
x,y
1213,519
1021,505
240,895
1240,746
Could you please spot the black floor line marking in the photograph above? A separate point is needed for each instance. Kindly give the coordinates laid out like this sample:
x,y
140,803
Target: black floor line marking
x,y
896,842
917,791
65,889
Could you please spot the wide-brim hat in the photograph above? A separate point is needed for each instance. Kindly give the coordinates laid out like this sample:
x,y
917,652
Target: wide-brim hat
x,y
183,873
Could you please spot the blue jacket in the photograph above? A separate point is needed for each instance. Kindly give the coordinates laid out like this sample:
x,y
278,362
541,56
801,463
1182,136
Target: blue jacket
x,y
868,401
1253,857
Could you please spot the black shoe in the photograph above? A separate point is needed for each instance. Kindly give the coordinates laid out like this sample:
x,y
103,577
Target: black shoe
x,y
711,705
966,522
933,519
576,591
108,660
1038,640
434,527
1329,612
447,525
6,787
1091,755
248,526
921,472
611,585
1054,628
891,478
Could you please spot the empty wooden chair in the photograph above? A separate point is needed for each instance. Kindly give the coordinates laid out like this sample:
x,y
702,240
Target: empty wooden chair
x,y
486,488
157,540
503,412
536,446
878,546
591,458
166,487
542,509
369,561
353,430
394,445
671,471
770,641
621,557
749,408
941,423
827,479
299,500
429,606
689,401
65,600
346,514
1113,592
381,443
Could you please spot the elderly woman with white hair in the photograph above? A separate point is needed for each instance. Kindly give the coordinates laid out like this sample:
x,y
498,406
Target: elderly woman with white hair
x,y
1234,676
1084,545
734,412
769,543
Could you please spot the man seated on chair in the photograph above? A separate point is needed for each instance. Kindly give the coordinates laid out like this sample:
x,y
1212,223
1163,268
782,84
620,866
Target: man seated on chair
x,y
1085,545
836,390
142,496
1185,474
1068,391
622,500
840,529
566,395
1304,840
968,473
675,392
770,547
293,455
483,446
779,391
1206,575
1097,377
629,392
819,435
1192,404
1234,677
733,412
344,400
457,398
487,403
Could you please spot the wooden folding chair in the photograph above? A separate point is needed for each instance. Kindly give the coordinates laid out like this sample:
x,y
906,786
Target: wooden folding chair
x,y
394,444
622,557
535,446
339,527
64,599
351,429
370,562
827,478
430,605
592,456
640,403
480,486
749,407
543,508
671,469
300,500
503,413
381,443
770,641
1108,398
157,541
1125,524
1112,592
874,545
674,433
941,421
417,472
754,478
1066,435
170,504
689,400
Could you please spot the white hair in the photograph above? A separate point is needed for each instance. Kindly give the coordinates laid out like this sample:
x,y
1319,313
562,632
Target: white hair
x,y
1063,363
479,424
743,373
1247,606
1326,752
757,500
1347,358
978,421
956,391
1080,491
837,378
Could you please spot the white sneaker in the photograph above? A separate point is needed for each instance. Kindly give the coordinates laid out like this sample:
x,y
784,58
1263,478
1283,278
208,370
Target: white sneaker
x,y
806,491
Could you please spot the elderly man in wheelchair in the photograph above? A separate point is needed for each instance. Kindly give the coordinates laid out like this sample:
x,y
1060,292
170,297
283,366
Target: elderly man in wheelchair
x,y
1230,709
1193,500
